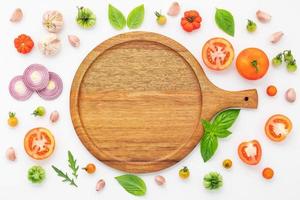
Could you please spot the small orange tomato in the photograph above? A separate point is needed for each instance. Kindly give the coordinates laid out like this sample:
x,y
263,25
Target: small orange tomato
x,y
271,90
24,44
90,168
268,173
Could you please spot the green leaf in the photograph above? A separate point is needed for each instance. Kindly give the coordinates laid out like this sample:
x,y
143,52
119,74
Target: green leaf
x,y
116,17
136,17
222,133
225,21
132,184
65,176
72,164
225,119
206,125
209,145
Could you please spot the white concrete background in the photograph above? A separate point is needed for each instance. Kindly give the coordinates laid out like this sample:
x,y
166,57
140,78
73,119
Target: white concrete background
x,y
241,182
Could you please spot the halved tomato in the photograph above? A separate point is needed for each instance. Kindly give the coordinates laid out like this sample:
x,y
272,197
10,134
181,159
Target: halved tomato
x,y
217,53
39,143
250,152
278,127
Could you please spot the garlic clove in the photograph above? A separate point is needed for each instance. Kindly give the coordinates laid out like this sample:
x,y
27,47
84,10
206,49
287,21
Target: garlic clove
x,y
160,180
263,16
290,95
54,116
276,37
74,40
17,15
100,185
174,9
11,154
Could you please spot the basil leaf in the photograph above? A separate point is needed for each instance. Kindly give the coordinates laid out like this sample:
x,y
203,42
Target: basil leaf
x,y
222,133
225,119
116,17
132,184
209,145
225,21
206,125
136,17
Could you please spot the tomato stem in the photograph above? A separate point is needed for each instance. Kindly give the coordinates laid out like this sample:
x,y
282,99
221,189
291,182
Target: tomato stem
x,y
254,64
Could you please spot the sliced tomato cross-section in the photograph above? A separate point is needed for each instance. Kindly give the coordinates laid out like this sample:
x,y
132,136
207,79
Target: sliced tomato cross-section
x,y
217,53
278,127
250,152
39,143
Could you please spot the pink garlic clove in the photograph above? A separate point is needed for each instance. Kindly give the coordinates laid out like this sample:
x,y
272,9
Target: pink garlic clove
x,y
174,9
17,15
11,154
263,16
160,180
54,116
74,40
100,185
276,37
290,95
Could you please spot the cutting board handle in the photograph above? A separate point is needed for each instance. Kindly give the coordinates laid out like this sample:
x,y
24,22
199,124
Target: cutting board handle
x,y
226,99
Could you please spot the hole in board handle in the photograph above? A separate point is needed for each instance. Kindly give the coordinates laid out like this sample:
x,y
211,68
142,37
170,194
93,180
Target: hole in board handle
x,y
246,98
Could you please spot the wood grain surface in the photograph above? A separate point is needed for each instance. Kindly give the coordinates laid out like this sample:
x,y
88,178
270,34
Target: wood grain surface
x,y
137,99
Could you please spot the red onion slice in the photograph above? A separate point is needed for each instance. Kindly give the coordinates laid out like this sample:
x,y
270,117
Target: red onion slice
x,y
53,89
36,77
18,89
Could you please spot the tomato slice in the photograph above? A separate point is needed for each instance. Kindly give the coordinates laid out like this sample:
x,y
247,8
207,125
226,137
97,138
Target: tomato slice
x,y
39,143
217,53
250,152
278,127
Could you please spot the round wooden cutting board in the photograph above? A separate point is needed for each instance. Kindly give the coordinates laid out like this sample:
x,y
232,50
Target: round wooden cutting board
x,y
137,100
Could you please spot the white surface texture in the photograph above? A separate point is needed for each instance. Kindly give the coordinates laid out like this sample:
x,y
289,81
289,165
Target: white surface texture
x,y
240,182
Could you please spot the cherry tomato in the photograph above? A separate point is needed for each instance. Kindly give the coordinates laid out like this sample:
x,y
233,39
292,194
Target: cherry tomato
x,y
39,143
271,90
217,53
24,44
268,173
227,164
252,63
250,152
12,120
184,173
90,168
278,127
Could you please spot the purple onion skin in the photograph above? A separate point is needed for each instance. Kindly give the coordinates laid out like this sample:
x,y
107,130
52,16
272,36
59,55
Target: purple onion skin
x,y
55,93
14,93
45,77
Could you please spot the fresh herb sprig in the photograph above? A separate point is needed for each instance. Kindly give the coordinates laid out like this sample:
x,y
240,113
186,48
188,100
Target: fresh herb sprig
x,y
65,176
217,128
72,164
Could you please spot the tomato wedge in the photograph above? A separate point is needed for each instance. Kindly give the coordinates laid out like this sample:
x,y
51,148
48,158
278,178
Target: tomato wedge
x,y
39,143
250,152
217,53
278,127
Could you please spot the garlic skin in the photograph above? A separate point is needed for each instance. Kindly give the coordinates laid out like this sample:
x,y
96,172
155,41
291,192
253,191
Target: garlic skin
x,y
53,21
100,185
54,116
276,37
49,45
160,180
174,9
263,16
11,154
74,40
16,16
290,95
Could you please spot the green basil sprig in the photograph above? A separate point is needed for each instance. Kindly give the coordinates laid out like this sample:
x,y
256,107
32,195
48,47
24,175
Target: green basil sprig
x,y
218,128
225,21
132,184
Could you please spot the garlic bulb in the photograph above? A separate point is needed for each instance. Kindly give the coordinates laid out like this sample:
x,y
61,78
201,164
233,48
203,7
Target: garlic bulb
x,y
49,45
17,15
53,21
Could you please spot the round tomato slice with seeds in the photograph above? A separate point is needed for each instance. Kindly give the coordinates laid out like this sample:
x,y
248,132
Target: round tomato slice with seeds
x,y
250,152
278,127
39,143
217,53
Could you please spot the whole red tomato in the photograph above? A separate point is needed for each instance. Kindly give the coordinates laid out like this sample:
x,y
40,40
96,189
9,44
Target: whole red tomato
x,y
191,20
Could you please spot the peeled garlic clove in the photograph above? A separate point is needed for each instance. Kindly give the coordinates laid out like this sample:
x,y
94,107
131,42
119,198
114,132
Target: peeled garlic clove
x,y
100,185
74,40
49,45
160,180
174,9
290,95
53,21
263,16
11,154
17,15
276,37
54,116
